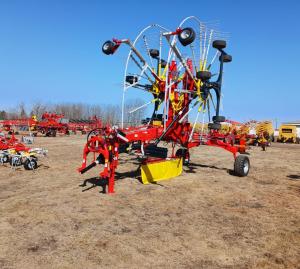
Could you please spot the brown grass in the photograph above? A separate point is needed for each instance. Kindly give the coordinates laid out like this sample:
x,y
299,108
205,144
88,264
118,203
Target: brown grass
x,y
205,218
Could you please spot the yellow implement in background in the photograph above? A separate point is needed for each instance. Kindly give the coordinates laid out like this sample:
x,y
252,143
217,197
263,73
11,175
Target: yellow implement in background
x,y
161,170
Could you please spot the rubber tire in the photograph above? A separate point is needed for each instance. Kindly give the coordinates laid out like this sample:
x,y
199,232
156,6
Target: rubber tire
x,y
163,63
188,40
15,164
226,58
5,159
219,44
203,75
108,47
218,118
30,164
131,79
182,153
154,53
214,126
239,165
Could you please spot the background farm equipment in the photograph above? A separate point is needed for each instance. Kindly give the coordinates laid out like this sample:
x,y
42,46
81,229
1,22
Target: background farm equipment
x,y
84,126
178,83
288,134
17,154
51,124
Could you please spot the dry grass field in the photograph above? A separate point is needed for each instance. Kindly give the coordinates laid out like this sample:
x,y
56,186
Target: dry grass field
x,y
205,218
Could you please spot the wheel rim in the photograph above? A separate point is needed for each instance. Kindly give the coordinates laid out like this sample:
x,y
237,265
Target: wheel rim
x,y
185,34
31,165
246,167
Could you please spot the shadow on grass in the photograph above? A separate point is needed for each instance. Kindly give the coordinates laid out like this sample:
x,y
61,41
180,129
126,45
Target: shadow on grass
x,y
294,176
103,182
191,168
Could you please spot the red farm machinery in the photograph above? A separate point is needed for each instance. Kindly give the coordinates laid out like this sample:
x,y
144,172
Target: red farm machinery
x,y
52,124
176,70
17,154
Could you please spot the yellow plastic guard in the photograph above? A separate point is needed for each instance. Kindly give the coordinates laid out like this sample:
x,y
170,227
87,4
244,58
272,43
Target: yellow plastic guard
x,y
162,170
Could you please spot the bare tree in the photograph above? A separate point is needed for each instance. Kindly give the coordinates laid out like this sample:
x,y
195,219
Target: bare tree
x,y
22,111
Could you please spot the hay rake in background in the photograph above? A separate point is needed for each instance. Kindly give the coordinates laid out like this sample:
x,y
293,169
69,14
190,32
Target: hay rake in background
x,y
173,68
52,124
17,154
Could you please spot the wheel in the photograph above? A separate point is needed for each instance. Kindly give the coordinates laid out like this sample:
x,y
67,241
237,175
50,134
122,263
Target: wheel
x,y
218,118
219,44
187,36
131,79
108,47
203,75
241,165
94,132
30,164
15,161
5,159
214,126
184,154
154,53
226,58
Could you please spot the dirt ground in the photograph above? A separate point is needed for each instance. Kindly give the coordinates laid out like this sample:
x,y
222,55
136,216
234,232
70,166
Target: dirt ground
x,y
205,218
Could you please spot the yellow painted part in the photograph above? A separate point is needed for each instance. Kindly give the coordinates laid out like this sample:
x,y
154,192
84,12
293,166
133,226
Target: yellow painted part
x,y
265,126
162,170
287,132
157,123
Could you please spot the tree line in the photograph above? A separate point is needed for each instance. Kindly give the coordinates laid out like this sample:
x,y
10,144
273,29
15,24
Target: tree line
x,y
108,113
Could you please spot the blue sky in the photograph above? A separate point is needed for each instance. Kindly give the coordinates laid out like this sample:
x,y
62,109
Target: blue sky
x,y
50,51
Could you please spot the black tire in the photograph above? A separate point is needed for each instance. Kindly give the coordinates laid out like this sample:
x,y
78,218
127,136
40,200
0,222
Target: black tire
x,y
187,36
219,44
184,154
131,79
5,159
108,47
15,161
123,148
241,165
154,53
30,164
163,63
203,75
218,118
214,126
226,58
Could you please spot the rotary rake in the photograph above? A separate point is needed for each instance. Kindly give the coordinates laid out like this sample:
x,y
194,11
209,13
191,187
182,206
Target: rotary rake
x,y
17,154
176,70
